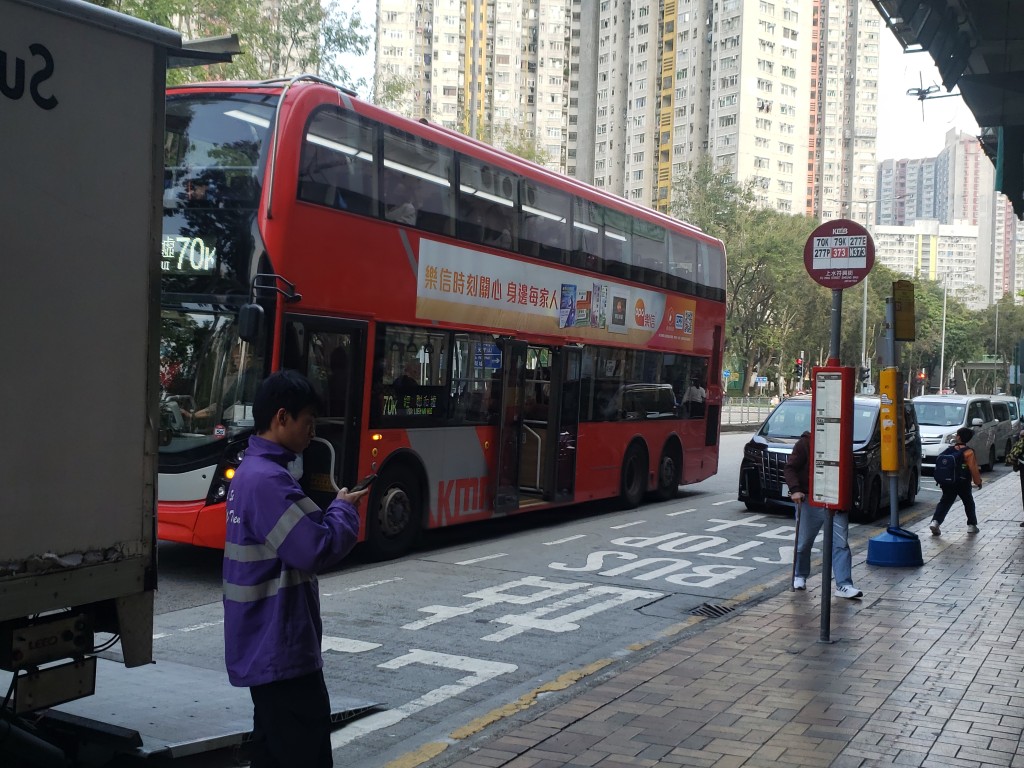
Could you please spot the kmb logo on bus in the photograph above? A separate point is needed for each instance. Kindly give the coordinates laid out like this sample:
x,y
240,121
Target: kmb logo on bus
x,y
643,318
456,498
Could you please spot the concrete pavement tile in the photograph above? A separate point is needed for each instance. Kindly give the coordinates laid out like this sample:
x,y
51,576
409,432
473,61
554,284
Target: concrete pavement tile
x,y
950,762
985,755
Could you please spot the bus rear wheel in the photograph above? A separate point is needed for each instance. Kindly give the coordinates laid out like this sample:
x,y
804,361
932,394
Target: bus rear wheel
x,y
394,516
669,475
634,477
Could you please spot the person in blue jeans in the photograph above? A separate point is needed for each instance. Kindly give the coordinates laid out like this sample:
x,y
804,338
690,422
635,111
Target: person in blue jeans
x,y
809,520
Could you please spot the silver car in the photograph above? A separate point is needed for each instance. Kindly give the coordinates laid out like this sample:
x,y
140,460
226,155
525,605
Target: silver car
x,y
940,416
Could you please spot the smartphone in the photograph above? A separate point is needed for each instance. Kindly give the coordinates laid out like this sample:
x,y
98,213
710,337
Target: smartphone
x,y
362,484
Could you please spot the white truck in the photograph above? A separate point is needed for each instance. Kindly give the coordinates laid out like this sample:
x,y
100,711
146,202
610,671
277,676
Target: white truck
x,y
81,120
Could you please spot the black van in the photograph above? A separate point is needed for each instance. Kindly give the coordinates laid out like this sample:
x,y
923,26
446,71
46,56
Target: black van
x,y
762,483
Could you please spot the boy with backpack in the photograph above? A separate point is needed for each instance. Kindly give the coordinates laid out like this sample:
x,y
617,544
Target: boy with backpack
x,y
955,468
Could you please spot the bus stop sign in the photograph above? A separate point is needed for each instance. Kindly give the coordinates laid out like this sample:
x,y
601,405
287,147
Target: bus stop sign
x,y
839,254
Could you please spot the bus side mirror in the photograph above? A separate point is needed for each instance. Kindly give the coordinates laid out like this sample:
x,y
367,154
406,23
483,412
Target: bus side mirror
x,y
250,322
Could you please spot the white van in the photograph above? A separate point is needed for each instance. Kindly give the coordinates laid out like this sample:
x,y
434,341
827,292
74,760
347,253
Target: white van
x,y
940,416
1013,406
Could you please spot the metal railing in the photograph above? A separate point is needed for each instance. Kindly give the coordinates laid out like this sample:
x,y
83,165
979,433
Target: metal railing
x,y
745,410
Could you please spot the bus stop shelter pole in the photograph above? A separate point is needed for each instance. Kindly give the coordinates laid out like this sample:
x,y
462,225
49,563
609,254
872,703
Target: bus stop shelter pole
x,y
826,555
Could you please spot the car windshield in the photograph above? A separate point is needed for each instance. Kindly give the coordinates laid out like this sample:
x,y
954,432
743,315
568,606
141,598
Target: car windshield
x,y
790,420
939,414
793,417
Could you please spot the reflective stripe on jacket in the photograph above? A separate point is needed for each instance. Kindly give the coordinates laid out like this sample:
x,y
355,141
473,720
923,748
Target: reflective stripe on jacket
x,y
277,539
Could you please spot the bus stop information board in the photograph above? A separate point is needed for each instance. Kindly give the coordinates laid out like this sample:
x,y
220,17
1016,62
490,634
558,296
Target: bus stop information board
x,y
839,254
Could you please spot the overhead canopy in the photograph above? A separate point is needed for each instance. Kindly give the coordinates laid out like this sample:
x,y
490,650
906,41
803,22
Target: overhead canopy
x,y
977,46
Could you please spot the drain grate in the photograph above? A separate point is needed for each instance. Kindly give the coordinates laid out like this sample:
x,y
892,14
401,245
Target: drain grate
x,y
711,611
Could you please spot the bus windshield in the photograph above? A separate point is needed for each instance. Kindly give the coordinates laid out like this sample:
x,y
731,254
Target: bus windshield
x,y
213,149
207,379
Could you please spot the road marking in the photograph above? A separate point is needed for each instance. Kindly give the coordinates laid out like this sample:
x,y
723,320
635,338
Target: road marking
x,y
567,538
627,525
481,559
720,503
481,671
681,512
191,628
347,645
364,586
373,584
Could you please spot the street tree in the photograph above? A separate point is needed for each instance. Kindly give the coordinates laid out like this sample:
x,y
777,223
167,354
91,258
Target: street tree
x,y
278,40
766,281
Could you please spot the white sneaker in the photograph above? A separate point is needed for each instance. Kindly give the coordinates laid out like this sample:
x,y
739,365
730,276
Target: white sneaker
x,y
799,582
934,527
849,591
972,529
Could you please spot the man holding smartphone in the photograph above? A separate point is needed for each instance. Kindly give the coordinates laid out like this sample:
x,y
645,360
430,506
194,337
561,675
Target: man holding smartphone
x,y
277,540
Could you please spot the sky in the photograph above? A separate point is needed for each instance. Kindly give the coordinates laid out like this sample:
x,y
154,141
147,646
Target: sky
x,y
902,133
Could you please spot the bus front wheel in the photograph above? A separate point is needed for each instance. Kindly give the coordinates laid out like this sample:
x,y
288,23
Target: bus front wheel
x,y
634,477
394,516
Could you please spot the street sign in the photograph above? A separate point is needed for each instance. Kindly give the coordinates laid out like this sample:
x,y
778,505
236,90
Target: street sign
x,y
839,254
725,373
761,381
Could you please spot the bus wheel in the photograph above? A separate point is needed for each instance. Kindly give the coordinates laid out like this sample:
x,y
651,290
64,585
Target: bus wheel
x,y
669,475
634,477
394,516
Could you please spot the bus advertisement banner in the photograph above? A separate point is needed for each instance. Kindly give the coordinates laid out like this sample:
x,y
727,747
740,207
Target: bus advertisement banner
x,y
464,286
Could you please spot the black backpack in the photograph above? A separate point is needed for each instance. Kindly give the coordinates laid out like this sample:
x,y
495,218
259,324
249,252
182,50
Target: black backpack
x,y
949,466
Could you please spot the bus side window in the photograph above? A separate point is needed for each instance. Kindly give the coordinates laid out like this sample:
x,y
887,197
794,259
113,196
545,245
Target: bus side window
x,y
649,253
586,235
336,166
545,223
682,265
418,176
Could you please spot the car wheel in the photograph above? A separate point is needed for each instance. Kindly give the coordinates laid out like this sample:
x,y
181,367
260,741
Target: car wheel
x,y
869,508
912,487
753,506
634,477
394,515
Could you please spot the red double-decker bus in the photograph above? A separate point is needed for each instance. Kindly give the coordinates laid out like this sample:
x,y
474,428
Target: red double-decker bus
x,y
487,336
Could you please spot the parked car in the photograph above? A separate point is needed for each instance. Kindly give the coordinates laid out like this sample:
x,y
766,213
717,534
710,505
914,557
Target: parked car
x,y
940,416
761,482
1005,434
1013,405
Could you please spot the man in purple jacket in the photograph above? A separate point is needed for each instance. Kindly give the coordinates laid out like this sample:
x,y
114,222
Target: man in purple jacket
x,y
277,540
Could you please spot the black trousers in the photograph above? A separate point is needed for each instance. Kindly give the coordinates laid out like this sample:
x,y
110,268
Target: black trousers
x,y
949,495
292,723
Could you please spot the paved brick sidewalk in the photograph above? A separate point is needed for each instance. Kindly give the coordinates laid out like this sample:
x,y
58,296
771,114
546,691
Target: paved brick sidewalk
x,y
925,671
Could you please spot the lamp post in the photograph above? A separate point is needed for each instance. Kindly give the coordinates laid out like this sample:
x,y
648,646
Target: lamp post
x,y
865,364
942,352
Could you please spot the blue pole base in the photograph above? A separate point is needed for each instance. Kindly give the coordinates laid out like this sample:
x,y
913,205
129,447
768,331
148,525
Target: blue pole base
x,y
897,548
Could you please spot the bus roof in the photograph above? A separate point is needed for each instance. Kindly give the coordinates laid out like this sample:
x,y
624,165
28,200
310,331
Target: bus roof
x,y
449,137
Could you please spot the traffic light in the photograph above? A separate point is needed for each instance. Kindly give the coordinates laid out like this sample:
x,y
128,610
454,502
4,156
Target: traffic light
x,y
799,368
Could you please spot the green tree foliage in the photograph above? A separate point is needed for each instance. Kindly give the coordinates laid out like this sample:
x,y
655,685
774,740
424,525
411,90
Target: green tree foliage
x,y
277,40
769,294
514,139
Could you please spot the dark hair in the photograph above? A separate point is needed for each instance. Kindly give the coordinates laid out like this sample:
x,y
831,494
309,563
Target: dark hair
x,y
283,389
964,434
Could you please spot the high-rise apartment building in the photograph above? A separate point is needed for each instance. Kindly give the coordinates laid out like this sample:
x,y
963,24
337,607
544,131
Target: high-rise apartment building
x,y
628,94
929,250
495,69
844,88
